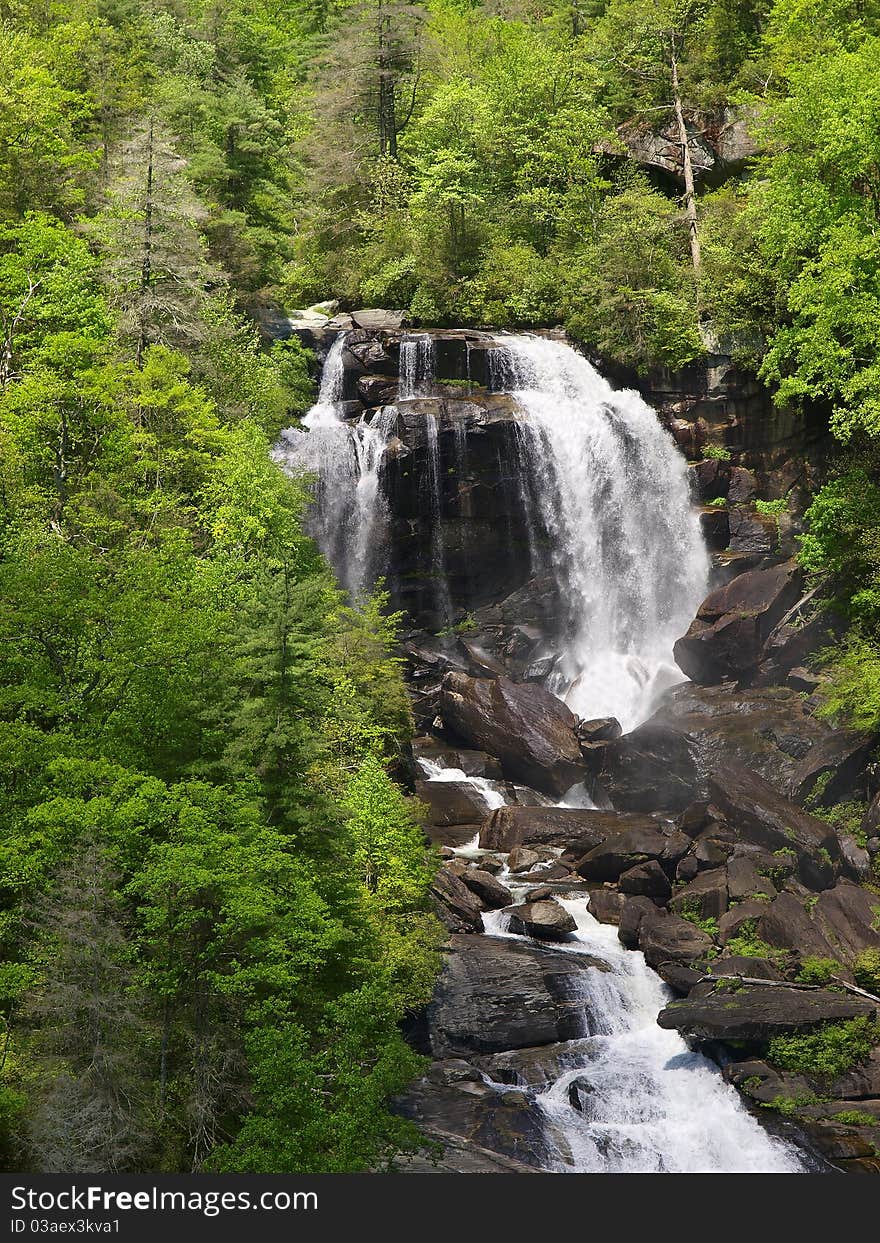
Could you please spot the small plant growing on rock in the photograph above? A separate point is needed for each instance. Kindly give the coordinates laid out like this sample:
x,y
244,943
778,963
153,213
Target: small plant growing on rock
x,y
747,944
774,508
720,453
854,1117
866,970
827,1052
816,970
690,911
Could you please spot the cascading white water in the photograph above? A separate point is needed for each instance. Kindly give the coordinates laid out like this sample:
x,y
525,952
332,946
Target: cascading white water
x,y
625,543
416,365
647,1103
345,459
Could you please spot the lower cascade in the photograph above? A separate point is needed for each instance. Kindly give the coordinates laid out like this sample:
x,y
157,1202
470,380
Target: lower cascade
x,y
610,522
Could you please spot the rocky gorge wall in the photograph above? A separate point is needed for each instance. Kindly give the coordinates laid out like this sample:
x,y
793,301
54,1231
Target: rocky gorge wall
x,y
704,849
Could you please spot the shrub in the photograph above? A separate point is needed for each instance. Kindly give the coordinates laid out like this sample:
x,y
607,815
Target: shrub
x,y
747,944
719,452
866,970
817,970
828,1051
772,507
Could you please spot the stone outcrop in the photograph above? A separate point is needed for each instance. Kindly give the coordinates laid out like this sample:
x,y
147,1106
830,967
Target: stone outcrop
x,y
665,764
495,995
733,623
755,1014
532,733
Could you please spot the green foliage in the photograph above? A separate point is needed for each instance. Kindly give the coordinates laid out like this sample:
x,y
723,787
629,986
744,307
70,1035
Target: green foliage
x,y
855,1117
690,910
851,690
774,508
720,453
827,1052
816,970
747,944
866,970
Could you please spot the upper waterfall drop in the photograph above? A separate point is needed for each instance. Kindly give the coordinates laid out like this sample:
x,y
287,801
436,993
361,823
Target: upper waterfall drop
x,y
625,542
346,459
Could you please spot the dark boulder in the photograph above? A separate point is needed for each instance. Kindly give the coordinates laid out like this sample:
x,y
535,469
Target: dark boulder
x,y
742,487
753,532
577,829
626,850
744,880
840,759
547,921
664,764
754,1014
605,905
452,802
456,907
785,924
648,879
849,918
761,815
633,913
532,733
667,938
705,896
744,965
727,636
603,729
487,887
497,993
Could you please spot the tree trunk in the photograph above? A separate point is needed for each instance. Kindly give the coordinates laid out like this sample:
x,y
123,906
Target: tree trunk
x,y
690,202
147,263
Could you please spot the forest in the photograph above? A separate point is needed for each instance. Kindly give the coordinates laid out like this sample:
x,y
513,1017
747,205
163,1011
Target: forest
x,y
215,885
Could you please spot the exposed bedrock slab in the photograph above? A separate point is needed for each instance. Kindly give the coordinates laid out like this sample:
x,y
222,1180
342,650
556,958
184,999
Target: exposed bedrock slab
x,y
755,1014
665,764
497,994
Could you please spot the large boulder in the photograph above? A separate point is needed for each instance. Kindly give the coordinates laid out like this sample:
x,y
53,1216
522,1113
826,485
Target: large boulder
x,y
785,924
499,993
532,733
452,802
667,939
762,816
754,1013
705,896
488,888
665,763
623,851
456,907
575,828
727,636
849,918
547,921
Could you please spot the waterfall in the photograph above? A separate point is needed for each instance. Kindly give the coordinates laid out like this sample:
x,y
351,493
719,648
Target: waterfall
x,y
612,494
345,459
416,365
633,1098
607,505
